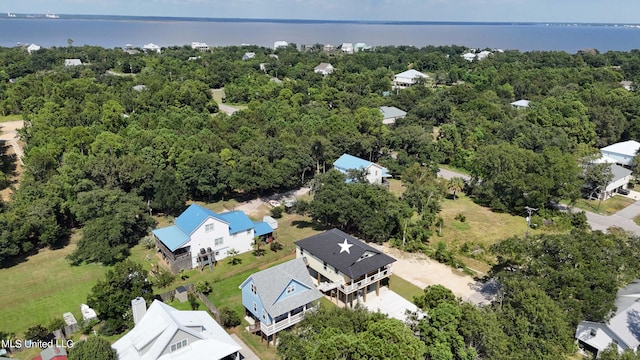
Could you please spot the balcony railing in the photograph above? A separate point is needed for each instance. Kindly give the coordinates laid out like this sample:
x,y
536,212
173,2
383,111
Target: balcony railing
x,y
348,288
283,324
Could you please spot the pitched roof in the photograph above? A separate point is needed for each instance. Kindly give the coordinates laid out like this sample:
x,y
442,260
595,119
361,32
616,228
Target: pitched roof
x,y
412,74
619,172
153,334
521,103
52,353
191,219
272,282
625,325
262,228
323,67
238,221
330,246
628,148
171,236
391,112
348,162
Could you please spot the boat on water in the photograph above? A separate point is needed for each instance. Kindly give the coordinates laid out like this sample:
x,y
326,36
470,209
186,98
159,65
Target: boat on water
x,y
51,16
11,15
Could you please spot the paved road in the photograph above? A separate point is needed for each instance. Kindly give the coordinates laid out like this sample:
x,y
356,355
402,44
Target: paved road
x,y
448,174
9,133
227,109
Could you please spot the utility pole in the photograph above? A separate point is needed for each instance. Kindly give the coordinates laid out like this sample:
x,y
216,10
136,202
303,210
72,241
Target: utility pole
x,y
530,212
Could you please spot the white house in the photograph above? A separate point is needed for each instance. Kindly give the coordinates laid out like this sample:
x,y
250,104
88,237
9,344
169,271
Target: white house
x,y
390,114
328,48
347,48
33,48
324,69
361,47
520,104
623,329
280,44
201,236
622,152
72,62
151,47
248,56
202,47
375,174
164,333
407,78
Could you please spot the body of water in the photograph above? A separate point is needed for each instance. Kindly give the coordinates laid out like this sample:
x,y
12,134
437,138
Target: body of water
x,y
113,32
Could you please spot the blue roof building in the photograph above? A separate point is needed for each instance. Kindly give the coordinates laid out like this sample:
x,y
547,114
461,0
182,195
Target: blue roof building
x,y
200,236
374,173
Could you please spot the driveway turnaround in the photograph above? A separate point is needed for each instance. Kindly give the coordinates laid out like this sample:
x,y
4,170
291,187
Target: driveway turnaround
x,y
390,303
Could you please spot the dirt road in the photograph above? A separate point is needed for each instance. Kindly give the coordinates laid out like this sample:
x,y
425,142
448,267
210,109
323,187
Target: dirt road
x,y
421,271
9,133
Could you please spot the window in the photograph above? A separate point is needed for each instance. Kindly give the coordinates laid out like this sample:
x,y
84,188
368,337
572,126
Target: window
x,y
249,232
325,265
264,315
209,227
179,345
253,288
291,288
219,241
255,306
592,331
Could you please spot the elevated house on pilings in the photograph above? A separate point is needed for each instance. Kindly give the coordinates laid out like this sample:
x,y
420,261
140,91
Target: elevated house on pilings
x,y
344,267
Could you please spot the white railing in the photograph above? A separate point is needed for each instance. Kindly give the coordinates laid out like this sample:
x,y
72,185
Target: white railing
x,y
283,324
366,281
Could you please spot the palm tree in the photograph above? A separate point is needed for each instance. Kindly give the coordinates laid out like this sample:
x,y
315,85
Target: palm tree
x,y
233,252
455,184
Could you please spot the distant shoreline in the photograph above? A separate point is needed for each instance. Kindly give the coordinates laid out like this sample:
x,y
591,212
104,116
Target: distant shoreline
x,y
16,16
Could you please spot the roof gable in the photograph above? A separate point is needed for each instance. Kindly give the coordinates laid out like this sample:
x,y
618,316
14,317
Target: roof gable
x,y
628,148
411,74
349,255
193,217
272,283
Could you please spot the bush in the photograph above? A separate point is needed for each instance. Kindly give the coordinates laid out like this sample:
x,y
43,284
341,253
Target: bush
x,y
229,318
37,333
56,324
275,246
163,276
88,327
460,217
193,301
111,327
204,287
276,212
148,242
301,207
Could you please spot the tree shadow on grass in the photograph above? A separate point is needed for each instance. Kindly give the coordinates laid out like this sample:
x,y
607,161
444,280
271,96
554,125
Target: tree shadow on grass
x,y
304,224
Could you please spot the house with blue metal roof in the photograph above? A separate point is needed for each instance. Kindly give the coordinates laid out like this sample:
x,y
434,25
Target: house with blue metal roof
x,y
374,173
278,297
201,236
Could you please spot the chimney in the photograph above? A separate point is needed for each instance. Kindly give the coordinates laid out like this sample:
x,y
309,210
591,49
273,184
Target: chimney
x,y
138,309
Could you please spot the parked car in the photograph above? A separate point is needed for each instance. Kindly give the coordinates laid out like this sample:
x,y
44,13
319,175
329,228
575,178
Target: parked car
x,y
623,191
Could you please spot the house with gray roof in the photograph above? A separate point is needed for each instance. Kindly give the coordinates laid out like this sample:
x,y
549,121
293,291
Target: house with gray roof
x,y
343,266
323,69
408,78
278,297
623,329
390,114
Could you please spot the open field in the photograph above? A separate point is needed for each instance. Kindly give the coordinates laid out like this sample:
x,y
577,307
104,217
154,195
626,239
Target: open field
x,y
607,207
218,94
44,287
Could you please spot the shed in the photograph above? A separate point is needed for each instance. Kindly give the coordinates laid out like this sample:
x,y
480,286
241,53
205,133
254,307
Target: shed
x,y
271,221
181,293
71,324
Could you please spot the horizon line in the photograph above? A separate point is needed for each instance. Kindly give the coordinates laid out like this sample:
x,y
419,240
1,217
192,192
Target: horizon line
x,y
365,21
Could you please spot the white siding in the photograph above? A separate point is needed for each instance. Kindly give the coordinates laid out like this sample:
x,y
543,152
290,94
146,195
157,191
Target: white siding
x,y
374,174
200,239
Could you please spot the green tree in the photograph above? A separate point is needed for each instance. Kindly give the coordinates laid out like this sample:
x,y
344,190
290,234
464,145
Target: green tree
x,y
455,184
93,348
111,297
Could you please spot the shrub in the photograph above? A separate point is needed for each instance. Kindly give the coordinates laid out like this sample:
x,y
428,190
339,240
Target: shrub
x,y
275,246
193,301
276,212
163,276
204,287
301,207
56,324
37,333
148,242
229,318
460,217
110,327
87,328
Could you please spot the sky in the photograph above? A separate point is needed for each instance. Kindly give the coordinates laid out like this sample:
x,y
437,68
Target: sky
x,y
579,11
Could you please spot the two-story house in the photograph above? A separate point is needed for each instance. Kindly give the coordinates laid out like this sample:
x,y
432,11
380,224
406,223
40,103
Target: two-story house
x,y
344,266
277,298
164,333
374,173
200,236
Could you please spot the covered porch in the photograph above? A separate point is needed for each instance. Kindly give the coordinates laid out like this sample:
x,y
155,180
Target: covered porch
x,y
281,322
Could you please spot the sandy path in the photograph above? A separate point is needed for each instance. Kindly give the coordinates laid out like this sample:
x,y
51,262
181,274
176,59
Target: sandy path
x,y
253,206
9,133
421,271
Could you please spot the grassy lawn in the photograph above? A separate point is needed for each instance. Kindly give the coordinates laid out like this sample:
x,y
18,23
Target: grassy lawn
x,y
403,288
481,229
10,118
218,94
449,167
607,207
44,287
396,187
